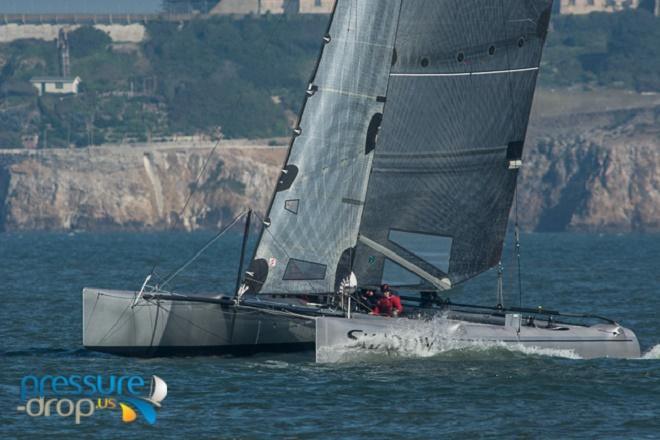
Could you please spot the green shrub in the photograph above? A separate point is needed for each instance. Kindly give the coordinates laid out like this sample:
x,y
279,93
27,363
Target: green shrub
x,y
86,41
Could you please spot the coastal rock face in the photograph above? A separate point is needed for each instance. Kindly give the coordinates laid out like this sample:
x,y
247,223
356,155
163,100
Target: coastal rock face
x,y
128,188
590,164
597,171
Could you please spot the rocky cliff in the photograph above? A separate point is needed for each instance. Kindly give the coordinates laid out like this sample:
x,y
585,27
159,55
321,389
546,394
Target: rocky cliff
x,y
134,188
592,162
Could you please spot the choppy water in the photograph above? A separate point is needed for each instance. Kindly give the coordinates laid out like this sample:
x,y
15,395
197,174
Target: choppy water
x,y
483,392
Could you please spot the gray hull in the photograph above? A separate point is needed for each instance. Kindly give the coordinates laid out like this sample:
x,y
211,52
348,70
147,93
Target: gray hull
x,y
156,326
340,339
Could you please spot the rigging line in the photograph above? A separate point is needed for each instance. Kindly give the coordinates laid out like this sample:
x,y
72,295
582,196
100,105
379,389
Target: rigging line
x,y
158,277
193,190
517,232
92,313
201,251
114,326
358,302
513,116
196,183
276,312
182,317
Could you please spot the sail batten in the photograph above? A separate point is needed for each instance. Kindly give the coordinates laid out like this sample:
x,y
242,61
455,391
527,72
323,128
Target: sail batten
x,y
485,72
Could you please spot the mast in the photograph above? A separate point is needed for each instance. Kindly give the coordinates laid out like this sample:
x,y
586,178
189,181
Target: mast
x,y
246,234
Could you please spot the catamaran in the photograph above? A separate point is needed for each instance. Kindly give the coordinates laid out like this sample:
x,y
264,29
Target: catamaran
x,y
402,169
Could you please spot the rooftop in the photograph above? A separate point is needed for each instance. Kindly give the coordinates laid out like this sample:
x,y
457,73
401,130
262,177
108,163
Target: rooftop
x,y
66,79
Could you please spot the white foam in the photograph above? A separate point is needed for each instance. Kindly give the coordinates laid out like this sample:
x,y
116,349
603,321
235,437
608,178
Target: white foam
x,y
435,338
538,351
653,353
275,364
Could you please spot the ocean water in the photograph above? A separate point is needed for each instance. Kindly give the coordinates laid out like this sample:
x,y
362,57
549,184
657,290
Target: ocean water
x,y
479,392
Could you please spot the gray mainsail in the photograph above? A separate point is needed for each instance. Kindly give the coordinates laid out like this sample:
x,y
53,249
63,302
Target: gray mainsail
x,y
407,150
313,220
446,162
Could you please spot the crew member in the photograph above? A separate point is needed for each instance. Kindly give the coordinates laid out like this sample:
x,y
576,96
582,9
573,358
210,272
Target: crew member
x,y
388,305
370,299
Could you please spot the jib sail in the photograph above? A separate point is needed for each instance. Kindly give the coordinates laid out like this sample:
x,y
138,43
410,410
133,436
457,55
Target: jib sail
x,y
313,221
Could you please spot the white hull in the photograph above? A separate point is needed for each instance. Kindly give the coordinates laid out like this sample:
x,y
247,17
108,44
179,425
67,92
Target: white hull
x,y
339,338
161,327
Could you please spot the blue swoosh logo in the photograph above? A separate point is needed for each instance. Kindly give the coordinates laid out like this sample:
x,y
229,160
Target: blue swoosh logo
x,y
147,410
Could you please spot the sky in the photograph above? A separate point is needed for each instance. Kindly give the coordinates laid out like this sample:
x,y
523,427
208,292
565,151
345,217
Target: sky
x,y
80,6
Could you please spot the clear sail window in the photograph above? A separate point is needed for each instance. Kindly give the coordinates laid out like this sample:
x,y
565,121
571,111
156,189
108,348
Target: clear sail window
x,y
292,205
434,249
395,275
299,270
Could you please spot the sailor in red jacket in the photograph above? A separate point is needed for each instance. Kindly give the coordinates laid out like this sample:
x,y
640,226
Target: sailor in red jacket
x,y
388,305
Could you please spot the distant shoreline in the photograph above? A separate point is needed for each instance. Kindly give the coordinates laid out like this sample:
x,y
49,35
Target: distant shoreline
x,y
591,164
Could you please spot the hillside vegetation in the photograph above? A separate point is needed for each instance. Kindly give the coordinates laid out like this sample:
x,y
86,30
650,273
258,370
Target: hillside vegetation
x,y
619,50
248,76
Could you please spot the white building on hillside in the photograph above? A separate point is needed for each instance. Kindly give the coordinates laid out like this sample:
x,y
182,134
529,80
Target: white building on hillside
x,y
56,84
258,7
316,6
588,6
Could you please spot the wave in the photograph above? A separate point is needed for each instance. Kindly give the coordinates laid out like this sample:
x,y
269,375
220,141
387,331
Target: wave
x,y
653,353
437,338
475,350
538,351
42,351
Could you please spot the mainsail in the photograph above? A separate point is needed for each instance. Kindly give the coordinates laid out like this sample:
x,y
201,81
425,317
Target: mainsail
x,y
447,159
408,147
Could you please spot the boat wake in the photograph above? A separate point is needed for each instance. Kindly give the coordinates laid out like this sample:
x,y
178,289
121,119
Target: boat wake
x,y
436,338
653,353
457,350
